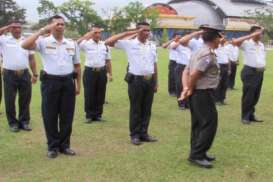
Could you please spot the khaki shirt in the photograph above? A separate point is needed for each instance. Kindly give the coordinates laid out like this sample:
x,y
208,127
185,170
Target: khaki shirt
x,y
204,60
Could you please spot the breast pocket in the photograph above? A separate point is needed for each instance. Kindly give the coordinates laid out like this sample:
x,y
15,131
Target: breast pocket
x,y
70,51
50,51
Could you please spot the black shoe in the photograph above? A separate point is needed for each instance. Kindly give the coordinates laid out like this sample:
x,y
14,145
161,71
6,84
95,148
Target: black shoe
x,y
136,141
210,158
52,154
201,163
14,128
148,139
25,127
88,120
256,120
244,121
97,118
68,151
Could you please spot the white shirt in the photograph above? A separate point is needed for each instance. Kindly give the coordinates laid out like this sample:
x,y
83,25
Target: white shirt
x,y
14,56
1,58
233,52
96,54
58,58
183,55
141,57
172,52
222,54
196,44
254,54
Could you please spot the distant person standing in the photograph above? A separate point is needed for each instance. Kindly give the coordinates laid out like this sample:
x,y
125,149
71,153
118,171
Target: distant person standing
x,y
234,54
183,53
16,76
60,83
141,78
172,63
253,71
222,56
1,62
200,78
97,67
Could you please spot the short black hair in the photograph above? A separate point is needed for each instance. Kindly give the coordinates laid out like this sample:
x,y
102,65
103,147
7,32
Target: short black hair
x,y
142,24
15,21
210,36
96,26
55,17
254,28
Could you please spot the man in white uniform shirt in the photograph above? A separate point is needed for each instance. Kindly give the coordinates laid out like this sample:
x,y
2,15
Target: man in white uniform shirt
x,y
234,62
172,63
1,62
141,78
253,71
183,52
222,56
97,67
16,77
60,83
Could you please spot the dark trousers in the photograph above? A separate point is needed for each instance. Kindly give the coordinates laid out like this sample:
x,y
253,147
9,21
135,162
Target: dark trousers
x,y
232,76
171,78
17,83
141,94
0,86
252,85
204,120
94,83
178,83
221,90
58,104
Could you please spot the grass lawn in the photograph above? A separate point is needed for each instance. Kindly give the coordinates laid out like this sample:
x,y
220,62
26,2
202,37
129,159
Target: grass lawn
x,y
244,153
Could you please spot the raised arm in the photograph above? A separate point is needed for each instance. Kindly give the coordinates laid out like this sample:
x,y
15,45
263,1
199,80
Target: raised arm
x,y
86,36
185,39
5,29
166,45
30,44
112,40
238,42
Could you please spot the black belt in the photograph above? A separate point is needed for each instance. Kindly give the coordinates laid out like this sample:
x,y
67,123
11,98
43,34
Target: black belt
x,y
142,77
203,90
58,77
255,69
96,69
179,64
225,65
16,72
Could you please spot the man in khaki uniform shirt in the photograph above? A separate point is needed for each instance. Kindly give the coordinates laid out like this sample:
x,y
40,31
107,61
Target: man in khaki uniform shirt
x,y
200,78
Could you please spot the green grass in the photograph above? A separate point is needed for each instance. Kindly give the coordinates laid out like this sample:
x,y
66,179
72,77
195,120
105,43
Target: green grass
x,y
244,153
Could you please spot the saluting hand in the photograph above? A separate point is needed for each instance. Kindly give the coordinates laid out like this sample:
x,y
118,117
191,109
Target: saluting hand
x,y
46,30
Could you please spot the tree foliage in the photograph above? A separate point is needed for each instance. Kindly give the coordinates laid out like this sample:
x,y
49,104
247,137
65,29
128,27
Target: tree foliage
x,y
9,11
264,17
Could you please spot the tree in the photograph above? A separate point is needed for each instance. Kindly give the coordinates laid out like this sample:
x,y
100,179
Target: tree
x,y
264,17
78,13
131,14
9,11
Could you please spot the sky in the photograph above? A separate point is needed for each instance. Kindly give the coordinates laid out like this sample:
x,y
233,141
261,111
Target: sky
x,y
32,15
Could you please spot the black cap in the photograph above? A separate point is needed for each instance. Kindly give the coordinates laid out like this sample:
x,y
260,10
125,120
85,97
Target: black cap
x,y
218,29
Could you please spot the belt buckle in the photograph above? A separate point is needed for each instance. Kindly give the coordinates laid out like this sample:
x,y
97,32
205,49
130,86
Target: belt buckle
x,y
19,72
147,77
